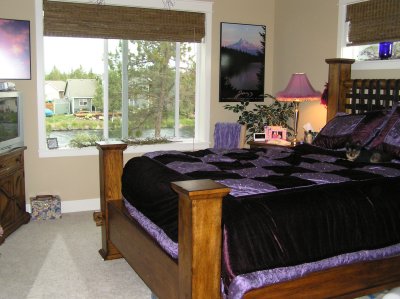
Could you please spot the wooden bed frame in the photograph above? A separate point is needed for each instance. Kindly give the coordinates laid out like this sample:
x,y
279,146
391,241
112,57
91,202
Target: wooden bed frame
x,y
197,273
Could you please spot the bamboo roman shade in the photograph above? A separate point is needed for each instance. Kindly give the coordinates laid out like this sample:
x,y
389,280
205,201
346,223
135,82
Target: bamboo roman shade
x,y
373,21
118,22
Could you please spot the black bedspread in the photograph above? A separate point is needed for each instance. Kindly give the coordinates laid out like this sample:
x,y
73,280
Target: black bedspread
x,y
286,206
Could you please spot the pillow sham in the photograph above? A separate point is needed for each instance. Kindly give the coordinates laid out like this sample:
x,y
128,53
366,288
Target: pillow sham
x,y
351,128
388,139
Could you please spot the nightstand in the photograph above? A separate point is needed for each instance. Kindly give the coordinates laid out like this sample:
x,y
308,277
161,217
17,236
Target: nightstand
x,y
260,144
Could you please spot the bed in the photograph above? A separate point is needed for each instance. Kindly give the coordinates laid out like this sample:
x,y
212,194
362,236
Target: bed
x,y
198,271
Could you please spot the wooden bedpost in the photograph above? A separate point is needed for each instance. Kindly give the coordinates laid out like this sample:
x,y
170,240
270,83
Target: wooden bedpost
x,y
200,209
339,72
110,168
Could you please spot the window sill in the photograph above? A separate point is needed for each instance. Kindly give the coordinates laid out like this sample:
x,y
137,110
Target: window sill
x,y
376,65
184,145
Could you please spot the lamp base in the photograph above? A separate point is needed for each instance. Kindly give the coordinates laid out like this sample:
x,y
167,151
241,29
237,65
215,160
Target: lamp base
x,y
294,142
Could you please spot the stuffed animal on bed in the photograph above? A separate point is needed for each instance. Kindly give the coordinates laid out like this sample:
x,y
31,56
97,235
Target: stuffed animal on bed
x,y
355,152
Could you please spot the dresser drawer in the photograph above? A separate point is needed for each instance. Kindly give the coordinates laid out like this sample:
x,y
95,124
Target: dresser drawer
x,y
11,162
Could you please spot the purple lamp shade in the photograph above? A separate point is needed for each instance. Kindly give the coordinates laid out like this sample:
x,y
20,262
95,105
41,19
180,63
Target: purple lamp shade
x,y
299,89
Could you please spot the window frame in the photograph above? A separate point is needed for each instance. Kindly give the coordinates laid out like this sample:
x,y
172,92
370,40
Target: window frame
x,y
341,44
203,88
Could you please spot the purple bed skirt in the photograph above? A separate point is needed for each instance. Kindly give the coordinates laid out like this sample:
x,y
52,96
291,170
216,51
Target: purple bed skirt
x,y
249,281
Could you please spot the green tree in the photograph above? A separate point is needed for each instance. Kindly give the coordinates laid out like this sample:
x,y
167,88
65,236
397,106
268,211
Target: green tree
x,y
187,82
152,78
56,75
115,80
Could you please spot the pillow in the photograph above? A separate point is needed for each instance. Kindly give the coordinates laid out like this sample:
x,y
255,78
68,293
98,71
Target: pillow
x,y
351,128
388,139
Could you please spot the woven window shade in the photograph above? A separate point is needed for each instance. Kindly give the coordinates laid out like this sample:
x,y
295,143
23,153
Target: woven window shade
x,y
118,22
373,21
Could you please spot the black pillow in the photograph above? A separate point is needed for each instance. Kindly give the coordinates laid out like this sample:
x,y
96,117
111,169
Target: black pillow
x,y
388,139
351,128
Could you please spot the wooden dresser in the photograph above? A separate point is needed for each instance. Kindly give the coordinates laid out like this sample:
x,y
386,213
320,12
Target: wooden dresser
x,y
12,192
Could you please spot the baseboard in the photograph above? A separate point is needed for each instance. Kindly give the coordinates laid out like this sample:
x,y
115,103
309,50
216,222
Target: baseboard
x,y
71,206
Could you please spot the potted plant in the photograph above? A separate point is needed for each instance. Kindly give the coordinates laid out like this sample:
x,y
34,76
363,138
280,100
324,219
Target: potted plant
x,y
274,114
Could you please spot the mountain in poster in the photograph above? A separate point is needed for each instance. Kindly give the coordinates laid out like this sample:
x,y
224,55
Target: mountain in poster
x,y
244,46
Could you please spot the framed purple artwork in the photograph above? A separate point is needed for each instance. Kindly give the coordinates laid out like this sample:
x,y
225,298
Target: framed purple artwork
x,y
15,50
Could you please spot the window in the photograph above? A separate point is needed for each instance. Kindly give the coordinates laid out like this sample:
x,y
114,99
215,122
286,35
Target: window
x,y
83,103
124,89
370,52
359,38
160,90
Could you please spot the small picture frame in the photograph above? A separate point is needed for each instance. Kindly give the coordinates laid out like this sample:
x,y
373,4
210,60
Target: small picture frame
x,y
259,137
276,132
52,143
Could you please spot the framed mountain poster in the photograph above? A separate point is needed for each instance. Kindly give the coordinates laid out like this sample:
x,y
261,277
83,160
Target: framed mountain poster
x,y
242,62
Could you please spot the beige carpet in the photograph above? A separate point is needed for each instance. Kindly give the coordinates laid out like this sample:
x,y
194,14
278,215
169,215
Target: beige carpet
x,y
59,259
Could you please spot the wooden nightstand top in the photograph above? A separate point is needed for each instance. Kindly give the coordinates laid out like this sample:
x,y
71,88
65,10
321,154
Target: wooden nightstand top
x,y
260,144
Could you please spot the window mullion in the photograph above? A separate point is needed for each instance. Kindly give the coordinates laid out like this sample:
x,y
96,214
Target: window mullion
x,y
198,84
105,91
177,84
125,106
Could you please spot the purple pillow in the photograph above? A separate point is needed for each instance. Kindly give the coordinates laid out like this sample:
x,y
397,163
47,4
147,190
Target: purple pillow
x,y
351,128
388,139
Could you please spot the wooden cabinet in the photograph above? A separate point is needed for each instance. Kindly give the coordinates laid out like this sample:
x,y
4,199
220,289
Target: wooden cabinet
x,y
12,192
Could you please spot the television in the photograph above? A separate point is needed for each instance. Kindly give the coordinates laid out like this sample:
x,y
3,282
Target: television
x,y
15,50
11,121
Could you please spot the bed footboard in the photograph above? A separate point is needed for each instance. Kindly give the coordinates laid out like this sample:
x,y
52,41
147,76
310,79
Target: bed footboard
x,y
197,273
200,209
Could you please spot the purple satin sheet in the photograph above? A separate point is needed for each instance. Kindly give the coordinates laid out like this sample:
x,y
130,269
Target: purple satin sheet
x,y
216,158
157,233
254,172
321,167
242,187
322,178
381,170
261,162
246,282
160,153
186,167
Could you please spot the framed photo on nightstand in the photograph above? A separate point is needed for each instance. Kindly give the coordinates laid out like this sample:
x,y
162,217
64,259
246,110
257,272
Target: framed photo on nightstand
x,y
275,132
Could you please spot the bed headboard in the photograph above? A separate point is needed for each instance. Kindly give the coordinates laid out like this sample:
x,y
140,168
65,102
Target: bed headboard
x,y
357,95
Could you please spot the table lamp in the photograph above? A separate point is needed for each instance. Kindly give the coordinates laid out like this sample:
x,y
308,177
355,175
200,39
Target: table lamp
x,y
298,90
